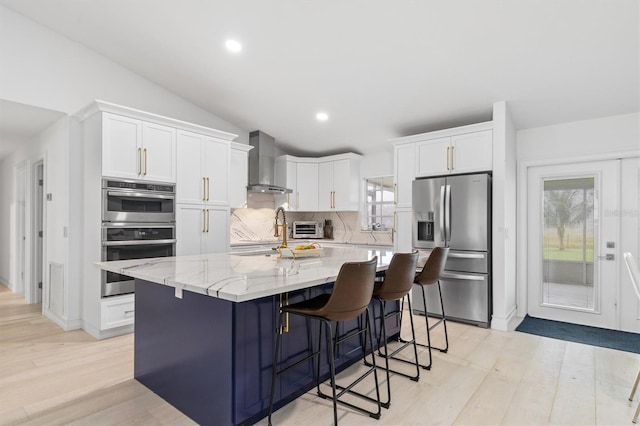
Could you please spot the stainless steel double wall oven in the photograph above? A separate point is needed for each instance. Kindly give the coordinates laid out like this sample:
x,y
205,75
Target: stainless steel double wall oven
x,y
138,221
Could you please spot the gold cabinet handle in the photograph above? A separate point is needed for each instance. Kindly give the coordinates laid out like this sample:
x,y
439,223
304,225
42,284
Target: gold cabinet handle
x,y
395,193
204,189
208,189
452,156
145,161
448,148
204,221
334,199
139,161
207,220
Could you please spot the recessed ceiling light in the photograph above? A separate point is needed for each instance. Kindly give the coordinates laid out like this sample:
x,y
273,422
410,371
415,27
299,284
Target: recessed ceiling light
x,y
322,116
233,46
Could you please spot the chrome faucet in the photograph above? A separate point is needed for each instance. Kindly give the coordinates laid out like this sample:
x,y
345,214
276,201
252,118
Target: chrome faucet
x,y
284,227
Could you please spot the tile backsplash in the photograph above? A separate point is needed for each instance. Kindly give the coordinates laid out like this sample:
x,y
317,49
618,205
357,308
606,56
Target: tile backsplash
x,y
256,224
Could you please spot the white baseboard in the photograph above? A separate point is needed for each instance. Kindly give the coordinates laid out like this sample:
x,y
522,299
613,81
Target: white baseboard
x,y
106,334
5,282
504,323
63,323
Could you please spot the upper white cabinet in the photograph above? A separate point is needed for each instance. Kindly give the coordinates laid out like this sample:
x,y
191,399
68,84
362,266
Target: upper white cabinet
x,y
321,184
136,149
464,153
203,169
238,175
339,184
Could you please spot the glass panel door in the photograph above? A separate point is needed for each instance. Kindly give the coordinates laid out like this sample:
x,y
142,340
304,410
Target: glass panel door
x,y
568,241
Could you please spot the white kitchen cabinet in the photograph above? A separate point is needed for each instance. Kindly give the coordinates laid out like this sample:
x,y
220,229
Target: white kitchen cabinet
x,y
117,311
238,175
135,149
307,187
321,184
201,229
463,153
405,173
402,232
203,169
339,184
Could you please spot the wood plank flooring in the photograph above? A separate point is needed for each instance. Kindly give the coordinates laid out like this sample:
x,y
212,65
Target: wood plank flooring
x,y
488,377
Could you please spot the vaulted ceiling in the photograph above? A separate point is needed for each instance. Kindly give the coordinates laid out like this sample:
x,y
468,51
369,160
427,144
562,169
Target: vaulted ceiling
x,y
380,69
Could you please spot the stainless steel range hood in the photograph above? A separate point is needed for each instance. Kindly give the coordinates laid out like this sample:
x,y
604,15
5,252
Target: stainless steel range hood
x,y
262,164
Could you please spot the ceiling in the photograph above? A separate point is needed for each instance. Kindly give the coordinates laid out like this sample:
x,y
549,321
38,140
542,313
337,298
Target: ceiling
x,y
19,123
380,69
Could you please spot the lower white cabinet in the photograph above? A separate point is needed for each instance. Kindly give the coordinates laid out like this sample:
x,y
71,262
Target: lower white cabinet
x,y
402,238
116,312
201,229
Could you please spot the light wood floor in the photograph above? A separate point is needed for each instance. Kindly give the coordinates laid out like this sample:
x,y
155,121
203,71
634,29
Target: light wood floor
x,y
489,377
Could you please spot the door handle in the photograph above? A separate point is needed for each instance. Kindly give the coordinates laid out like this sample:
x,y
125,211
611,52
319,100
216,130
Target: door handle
x,y
608,256
204,188
448,148
443,237
452,156
208,221
145,161
139,161
204,221
447,217
208,188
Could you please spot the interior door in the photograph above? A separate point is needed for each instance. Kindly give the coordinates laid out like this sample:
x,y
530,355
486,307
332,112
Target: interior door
x,y
573,258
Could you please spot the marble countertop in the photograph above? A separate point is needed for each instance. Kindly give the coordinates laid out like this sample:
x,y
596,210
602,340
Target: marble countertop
x,y
239,277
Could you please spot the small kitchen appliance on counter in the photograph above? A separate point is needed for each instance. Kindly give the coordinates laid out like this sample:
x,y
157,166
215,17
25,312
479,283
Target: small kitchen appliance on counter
x,y
307,229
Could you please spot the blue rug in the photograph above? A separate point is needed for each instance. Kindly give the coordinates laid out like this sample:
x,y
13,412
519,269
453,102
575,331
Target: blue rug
x,y
620,340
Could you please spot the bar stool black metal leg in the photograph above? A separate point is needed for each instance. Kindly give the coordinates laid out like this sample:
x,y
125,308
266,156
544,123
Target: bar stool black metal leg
x,y
332,360
275,364
426,320
444,322
375,370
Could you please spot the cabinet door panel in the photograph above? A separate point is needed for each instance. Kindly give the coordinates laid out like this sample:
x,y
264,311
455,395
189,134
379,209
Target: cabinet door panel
x,y
346,186
291,182
307,185
472,152
433,157
216,166
190,227
325,186
159,152
405,165
121,139
403,231
190,186
216,235
238,177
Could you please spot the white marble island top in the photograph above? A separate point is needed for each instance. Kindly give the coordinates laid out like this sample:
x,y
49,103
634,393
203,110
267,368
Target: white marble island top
x,y
239,277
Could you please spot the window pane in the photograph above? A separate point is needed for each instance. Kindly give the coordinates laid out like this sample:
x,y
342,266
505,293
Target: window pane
x,y
568,236
387,209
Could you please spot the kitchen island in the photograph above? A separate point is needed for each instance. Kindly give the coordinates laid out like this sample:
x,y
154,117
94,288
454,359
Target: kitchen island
x,y
205,328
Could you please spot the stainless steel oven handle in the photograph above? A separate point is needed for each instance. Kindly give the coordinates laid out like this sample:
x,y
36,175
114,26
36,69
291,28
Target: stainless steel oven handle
x,y
137,242
139,195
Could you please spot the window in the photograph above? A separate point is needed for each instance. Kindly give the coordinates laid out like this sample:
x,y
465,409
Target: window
x,y
379,203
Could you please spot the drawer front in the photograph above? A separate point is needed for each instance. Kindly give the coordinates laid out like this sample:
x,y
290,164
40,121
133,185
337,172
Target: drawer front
x,y
117,313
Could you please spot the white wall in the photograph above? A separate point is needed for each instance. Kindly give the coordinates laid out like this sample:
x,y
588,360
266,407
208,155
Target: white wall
x,y
377,164
580,138
42,68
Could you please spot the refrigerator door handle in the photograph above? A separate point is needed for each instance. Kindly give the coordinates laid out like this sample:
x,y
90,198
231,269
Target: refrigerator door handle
x,y
463,276
447,218
442,213
466,255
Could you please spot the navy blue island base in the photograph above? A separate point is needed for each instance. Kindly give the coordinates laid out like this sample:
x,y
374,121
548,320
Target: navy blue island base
x,y
211,358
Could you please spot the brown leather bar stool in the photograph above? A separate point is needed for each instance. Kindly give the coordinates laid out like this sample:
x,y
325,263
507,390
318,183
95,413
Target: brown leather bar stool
x,y
397,284
430,275
350,298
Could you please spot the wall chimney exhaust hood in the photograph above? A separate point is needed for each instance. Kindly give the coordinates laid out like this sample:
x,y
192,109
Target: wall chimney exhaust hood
x,y
262,164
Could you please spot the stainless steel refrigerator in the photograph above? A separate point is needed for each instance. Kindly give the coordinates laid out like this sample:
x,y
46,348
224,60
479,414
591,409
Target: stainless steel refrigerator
x,y
455,212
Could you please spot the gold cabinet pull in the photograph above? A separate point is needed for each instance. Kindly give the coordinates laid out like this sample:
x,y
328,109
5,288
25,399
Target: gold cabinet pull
x,y
207,221
139,161
208,189
395,193
204,189
145,161
204,221
448,148
452,156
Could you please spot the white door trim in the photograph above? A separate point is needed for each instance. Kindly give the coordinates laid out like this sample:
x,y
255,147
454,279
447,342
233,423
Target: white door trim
x,y
522,209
